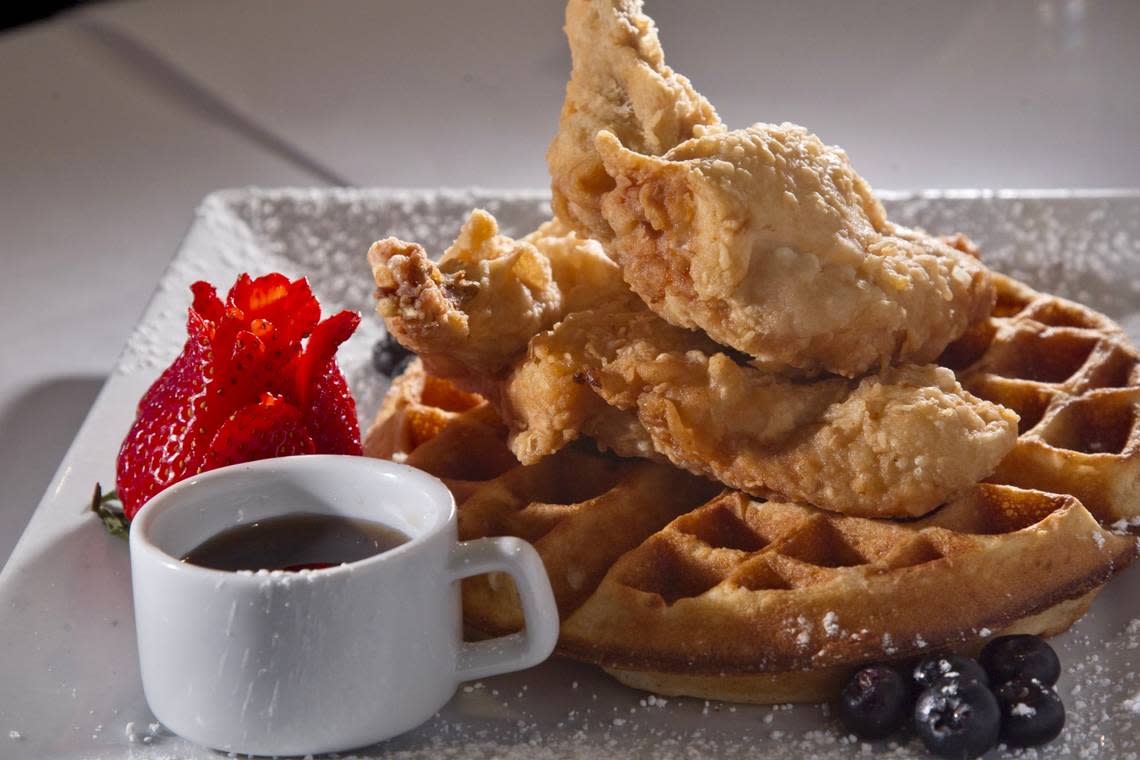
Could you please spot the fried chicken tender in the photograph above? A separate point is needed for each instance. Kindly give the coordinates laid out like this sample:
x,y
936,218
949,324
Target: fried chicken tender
x,y
548,332
472,315
769,241
896,444
619,82
765,238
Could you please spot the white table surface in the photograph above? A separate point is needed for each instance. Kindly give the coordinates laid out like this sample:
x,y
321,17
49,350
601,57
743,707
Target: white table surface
x,y
115,121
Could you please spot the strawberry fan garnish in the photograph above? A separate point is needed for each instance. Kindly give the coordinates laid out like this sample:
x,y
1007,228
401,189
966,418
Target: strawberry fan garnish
x,y
243,388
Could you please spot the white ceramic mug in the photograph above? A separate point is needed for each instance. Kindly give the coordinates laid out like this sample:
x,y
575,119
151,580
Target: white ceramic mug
x,y
289,663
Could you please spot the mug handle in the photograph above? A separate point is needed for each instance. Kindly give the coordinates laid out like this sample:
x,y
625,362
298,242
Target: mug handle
x,y
518,650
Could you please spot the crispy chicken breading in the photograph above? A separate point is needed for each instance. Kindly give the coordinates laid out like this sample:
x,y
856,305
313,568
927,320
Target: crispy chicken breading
x,y
769,241
619,82
765,238
599,364
472,315
895,444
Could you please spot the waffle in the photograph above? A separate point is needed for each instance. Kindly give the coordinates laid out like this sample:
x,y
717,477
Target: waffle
x,y
464,444
417,408
673,585
765,592
1074,379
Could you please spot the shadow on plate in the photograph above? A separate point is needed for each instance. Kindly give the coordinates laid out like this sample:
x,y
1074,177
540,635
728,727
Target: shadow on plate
x,y
36,428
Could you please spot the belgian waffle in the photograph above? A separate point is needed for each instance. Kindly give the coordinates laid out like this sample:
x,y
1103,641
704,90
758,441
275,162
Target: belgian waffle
x,y
465,445
1074,379
765,592
417,408
674,588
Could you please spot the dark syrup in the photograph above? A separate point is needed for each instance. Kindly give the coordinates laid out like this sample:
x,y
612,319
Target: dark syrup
x,y
298,541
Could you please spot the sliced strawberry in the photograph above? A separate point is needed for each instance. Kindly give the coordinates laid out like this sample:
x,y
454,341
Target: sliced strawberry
x,y
244,387
168,439
243,374
269,428
323,343
206,302
289,306
331,417
330,410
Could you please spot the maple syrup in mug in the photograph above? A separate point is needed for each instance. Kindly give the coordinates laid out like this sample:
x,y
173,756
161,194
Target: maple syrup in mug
x,y
298,541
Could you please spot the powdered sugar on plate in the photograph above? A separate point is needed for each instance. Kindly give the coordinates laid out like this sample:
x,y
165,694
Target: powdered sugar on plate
x,y
565,710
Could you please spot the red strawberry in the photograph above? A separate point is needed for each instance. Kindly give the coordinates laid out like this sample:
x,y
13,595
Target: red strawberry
x,y
242,389
269,428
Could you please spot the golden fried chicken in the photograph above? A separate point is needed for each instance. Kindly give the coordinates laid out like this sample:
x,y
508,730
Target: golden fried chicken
x,y
619,82
598,363
472,315
896,444
769,241
765,238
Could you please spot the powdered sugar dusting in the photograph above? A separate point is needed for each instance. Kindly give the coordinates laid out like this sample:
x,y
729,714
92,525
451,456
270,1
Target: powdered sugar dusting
x,y
831,624
1125,524
565,710
1076,247
1022,710
136,734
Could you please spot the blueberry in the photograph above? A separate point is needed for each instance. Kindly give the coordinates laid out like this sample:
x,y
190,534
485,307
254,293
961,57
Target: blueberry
x,y
389,357
953,667
1008,657
874,702
958,719
1031,712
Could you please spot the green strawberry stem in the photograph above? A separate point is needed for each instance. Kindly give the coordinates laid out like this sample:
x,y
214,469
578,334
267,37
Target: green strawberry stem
x,y
109,509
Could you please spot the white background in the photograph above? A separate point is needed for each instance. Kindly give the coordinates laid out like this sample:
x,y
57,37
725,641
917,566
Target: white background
x,y
116,121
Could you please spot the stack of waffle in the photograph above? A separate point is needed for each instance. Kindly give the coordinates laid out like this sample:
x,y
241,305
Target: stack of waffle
x,y
677,586
796,493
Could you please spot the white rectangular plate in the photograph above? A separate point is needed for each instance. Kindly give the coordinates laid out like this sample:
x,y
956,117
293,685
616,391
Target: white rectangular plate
x,y
69,683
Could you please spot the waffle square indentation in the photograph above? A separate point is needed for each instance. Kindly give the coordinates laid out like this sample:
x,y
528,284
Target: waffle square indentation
x,y
1010,303
820,543
1052,356
1118,369
917,551
660,567
1097,424
720,526
1058,313
995,510
970,347
758,575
